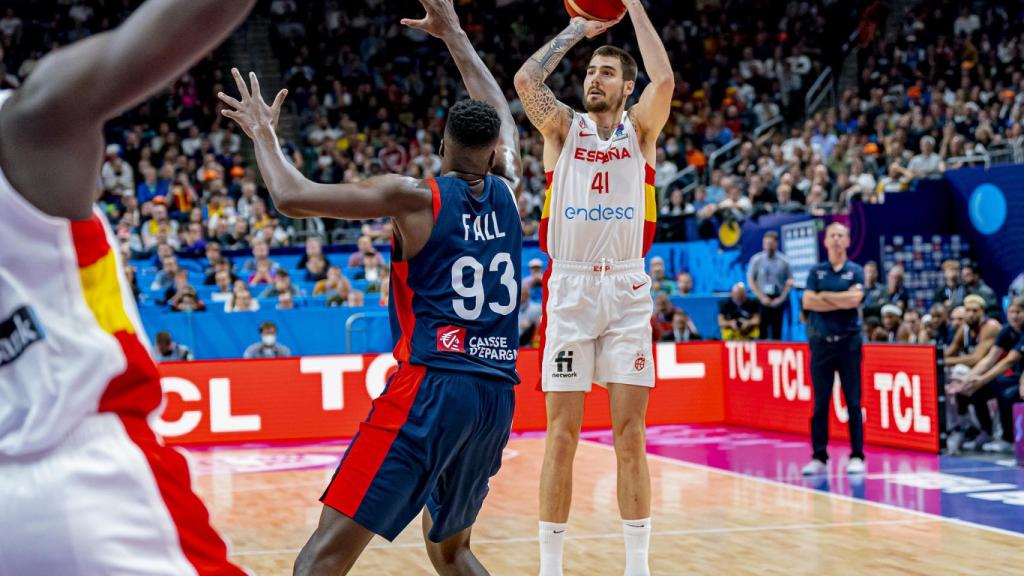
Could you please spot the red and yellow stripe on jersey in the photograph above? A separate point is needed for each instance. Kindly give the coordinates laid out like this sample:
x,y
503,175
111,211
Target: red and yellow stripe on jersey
x,y
137,389
545,214
650,207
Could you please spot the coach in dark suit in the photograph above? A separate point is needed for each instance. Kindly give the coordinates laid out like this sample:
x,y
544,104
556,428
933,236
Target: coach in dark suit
x,y
832,300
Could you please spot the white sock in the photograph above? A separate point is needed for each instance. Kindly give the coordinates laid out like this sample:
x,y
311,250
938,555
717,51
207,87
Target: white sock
x,y
637,534
552,537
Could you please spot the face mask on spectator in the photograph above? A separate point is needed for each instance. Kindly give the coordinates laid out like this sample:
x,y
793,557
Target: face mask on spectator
x,y
269,339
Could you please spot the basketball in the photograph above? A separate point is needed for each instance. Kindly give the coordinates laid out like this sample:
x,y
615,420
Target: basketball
x,y
603,10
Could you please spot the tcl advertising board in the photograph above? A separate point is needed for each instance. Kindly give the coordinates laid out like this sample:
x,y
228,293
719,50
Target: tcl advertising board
x,y
327,396
768,385
760,385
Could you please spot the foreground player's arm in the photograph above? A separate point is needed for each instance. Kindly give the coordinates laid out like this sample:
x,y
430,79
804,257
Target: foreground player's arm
x,y
652,111
56,118
296,196
545,112
442,22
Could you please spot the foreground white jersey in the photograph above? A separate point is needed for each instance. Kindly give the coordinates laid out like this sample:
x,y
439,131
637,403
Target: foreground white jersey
x,y
71,343
600,203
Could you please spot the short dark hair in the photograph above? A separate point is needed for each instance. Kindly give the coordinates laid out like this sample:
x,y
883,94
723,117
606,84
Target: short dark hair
x,y
973,266
163,337
267,325
473,124
628,62
772,234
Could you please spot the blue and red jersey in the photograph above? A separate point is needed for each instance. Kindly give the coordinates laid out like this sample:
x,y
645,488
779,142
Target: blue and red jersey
x,y
455,305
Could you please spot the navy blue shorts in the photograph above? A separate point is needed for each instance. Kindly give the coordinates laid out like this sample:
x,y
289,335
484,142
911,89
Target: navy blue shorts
x,y
432,438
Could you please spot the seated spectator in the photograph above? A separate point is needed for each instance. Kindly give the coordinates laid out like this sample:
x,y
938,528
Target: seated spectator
x,y
193,241
364,248
529,319
238,238
739,317
316,268
187,301
282,283
910,330
223,282
661,321
892,316
951,293
356,299
219,265
676,205
871,326
874,293
927,164
897,180
735,202
263,274
159,226
335,284
973,284
659,283
164,279
285,301
895,292
241,300
167,350
314,247
171,295
378,230
684,284
683,329
936,328
260,253
212,253
372,269
267,347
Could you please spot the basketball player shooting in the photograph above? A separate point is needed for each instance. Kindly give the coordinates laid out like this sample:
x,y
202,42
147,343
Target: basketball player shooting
x,y
85,485
436,434
597,224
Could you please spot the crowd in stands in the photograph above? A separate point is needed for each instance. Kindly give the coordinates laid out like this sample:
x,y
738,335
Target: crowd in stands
x,y
947,91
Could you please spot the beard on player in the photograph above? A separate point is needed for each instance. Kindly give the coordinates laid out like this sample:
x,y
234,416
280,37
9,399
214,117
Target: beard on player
x,y
598,100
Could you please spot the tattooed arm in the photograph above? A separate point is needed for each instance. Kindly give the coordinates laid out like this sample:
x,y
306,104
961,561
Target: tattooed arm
x,y
545,112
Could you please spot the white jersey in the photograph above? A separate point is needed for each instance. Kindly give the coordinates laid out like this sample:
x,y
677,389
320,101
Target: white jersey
x,y
600,203
71,343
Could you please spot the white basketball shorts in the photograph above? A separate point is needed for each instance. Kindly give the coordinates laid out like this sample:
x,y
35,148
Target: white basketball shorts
x,y
109,499
596,326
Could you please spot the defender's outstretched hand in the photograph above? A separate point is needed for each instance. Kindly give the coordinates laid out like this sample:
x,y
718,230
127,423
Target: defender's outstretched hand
x,y
440,20
252,112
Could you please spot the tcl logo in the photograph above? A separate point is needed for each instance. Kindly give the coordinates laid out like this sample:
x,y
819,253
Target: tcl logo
x,y
222,419
789,378
898,390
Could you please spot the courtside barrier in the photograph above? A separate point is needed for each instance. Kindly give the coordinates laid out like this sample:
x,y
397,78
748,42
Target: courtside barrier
x,y
760,385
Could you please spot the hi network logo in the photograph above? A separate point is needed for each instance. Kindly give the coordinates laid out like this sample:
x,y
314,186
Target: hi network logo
x,y
17,333
563,365
451,339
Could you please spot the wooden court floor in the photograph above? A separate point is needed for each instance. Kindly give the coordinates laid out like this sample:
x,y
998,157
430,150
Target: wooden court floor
x,y
706,521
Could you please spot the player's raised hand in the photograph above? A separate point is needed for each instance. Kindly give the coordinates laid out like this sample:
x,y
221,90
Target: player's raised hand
x,y
251,112
593,28
440,20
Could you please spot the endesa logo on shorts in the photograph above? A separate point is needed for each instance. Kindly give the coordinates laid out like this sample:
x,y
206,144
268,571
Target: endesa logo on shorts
x,y
601,213
451,339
